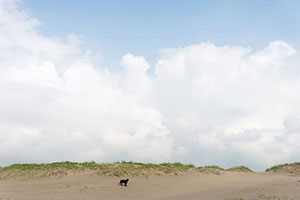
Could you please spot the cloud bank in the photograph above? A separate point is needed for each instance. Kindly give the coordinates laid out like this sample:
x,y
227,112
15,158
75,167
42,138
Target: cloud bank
x,y
203,104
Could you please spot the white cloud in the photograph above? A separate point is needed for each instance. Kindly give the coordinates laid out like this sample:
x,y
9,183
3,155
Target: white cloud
x,y
233,101
55,105
203,104
135,78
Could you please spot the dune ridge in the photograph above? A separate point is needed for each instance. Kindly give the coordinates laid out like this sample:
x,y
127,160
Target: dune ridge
x,y
165,181
117,169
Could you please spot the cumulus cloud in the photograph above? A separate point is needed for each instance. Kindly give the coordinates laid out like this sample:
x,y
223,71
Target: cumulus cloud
x,y
232,103
203,104
56,105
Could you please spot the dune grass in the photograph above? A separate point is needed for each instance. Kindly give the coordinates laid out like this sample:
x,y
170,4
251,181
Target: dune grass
x,y
240,169
44,169
123,168
277,167
213,167
118,169
177,165
65,165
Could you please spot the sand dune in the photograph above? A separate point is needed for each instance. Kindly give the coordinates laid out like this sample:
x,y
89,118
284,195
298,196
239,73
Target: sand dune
x,y
90,185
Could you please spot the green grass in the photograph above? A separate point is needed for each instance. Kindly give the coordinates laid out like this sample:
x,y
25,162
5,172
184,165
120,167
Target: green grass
x,y
213,167
119,169
240,169
63,165
276,167
45,169
177,165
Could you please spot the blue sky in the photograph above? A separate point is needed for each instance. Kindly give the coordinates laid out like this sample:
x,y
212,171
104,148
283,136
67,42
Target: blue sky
x,y
117,27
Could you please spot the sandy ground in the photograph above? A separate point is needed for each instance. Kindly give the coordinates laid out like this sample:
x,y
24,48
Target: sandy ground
x,y
89,185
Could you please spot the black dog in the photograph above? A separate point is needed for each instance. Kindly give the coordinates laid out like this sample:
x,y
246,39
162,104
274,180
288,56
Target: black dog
x,y
122,181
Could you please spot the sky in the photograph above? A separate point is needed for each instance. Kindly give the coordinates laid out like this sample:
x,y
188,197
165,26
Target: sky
x,y
208,83
116,27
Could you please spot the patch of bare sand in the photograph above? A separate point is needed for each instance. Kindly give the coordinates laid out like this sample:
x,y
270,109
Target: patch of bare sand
x,y
90,185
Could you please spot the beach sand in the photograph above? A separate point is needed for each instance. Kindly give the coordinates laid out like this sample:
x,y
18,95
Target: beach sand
x,y
90,185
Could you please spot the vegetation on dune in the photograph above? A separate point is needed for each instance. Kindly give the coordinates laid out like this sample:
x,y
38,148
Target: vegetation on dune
x,y
149,169
119,169
213,167
240,169
275,167
282,166
65,165
177,165
44,169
